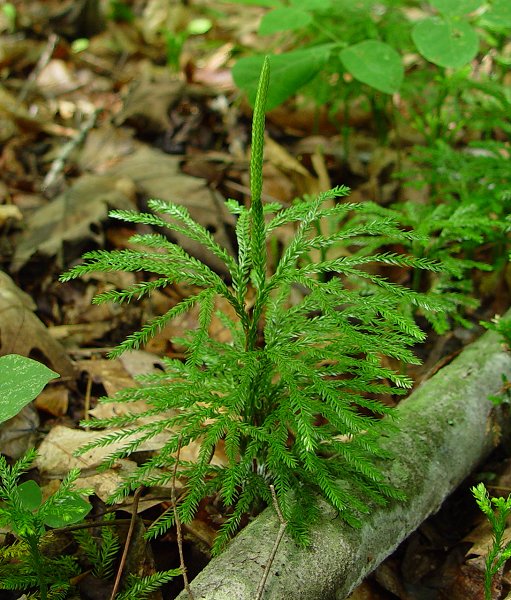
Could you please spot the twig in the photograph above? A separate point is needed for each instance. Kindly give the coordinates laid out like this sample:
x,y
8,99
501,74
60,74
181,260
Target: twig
x,y
86,408
88,393
177,521
44,59
278,539
59,163
89,351
91,524
131,528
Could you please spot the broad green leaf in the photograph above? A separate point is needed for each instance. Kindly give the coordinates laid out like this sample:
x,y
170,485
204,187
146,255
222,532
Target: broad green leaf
x,y
30,495
498,15
67,512
375,63
289,72
268,3
455,8
21,380
284,19
312,4
446,43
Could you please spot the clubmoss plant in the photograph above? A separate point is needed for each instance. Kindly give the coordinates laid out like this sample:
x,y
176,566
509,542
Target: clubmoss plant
x,y
450,234
25,565
497,511
293,395
29,565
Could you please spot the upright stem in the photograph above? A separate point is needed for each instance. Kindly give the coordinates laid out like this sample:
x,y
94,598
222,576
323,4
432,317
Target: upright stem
x,y
38,565
257,224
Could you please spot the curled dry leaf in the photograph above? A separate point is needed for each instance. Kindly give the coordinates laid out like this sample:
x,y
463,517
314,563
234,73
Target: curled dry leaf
x,y
72,221
158,175
147,103
9,212
110,374
53,400
21,332
56,457
19,434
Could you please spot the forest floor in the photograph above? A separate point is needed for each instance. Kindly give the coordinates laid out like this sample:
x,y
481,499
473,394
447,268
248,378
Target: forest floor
x,y
109,125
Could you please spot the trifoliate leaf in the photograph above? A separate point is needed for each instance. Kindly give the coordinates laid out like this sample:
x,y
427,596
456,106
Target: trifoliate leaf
x,y
446,43
289,72
30,495
375,63
455,8
284,19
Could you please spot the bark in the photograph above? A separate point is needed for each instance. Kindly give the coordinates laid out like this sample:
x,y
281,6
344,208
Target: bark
x,y
446,428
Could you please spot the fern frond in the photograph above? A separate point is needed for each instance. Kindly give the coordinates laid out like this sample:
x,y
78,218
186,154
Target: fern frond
x,y
298,210
207,305
191,229
121,260
137,291
232,522
149,330
293,395
138,588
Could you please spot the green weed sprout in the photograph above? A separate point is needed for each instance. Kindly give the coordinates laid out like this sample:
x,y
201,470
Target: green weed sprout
x,y
293,395
497,511
23,512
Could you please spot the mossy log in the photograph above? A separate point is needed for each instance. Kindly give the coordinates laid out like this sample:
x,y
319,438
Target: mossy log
x,y
447,426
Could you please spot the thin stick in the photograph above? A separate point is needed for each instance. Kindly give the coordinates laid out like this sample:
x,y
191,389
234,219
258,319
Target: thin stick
x,y
59,163
278,539
44,59
91,524
86,408
177,521
131,529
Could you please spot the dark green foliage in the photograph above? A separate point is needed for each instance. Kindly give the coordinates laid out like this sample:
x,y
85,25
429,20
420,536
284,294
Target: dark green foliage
x,y
102,552
326,40
478,175
469,210
138,588
450,234
293,395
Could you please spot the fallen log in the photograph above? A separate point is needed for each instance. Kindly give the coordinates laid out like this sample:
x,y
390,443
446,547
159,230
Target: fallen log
x,y
447,426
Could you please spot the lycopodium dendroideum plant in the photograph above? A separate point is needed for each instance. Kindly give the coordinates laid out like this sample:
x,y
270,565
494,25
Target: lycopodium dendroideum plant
x,y
292,395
